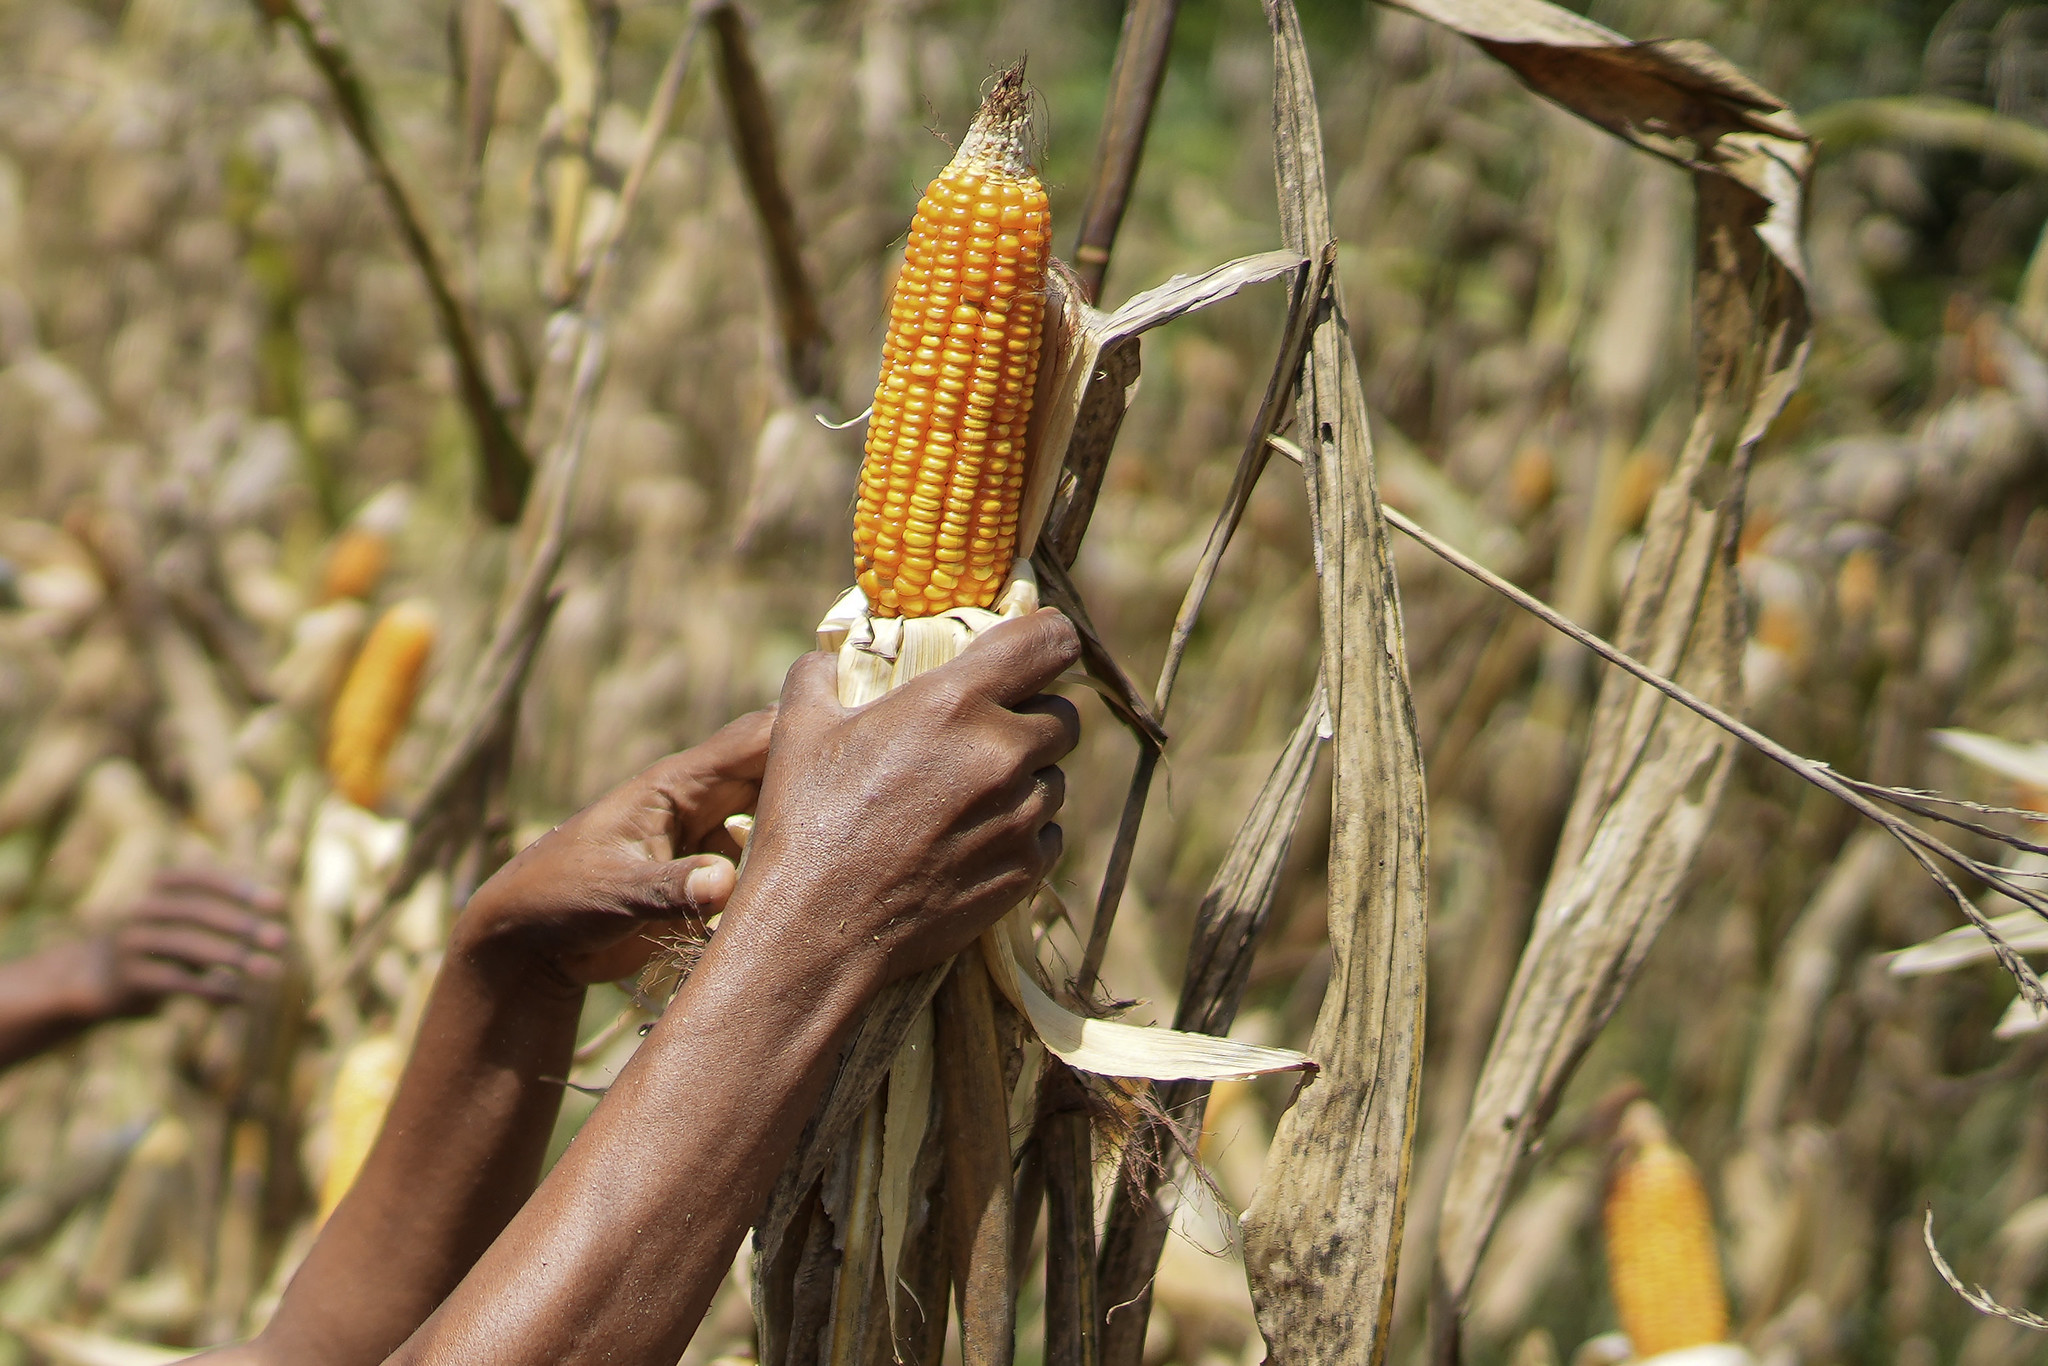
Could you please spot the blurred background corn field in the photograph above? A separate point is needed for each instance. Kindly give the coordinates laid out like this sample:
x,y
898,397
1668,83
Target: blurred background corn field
x,y
236,442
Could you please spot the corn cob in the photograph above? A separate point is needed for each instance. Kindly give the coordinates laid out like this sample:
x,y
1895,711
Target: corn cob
x,y
376,701
363,1087
355,563
357,559
943,479
1662,1262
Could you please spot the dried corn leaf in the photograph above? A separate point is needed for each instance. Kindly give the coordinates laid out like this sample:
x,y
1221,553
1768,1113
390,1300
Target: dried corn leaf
x,y
1322,1235
1108,1048
1089,365
968,1067
903,1134
1653,773
1966,944
2022,763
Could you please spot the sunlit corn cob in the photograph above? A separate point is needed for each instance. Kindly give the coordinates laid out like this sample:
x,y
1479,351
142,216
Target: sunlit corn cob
x,y
360,554
363,1087
936,524
376,701
1662,1262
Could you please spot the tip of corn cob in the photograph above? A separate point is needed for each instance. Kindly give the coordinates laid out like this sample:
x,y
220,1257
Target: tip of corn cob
x,y
1663,1262
360,554
997,137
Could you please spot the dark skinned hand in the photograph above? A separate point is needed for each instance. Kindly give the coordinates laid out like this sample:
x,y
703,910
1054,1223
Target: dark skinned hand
x,y
196,932
193,933
588,901
923,815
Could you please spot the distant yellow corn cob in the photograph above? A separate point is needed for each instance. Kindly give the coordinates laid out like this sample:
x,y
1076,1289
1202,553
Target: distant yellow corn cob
x,y
1662,1262
376,701
936,522
363,1087
355,562
358,557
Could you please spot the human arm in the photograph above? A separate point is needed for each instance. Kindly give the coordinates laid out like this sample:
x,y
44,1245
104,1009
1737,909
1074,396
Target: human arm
x,y
463,1141
887,839
193,933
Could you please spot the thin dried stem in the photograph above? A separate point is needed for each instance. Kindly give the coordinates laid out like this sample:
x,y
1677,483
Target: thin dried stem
x,y
1310,285
753,140
1141,55
507,469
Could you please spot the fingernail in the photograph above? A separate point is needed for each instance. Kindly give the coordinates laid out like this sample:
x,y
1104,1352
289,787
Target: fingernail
x,y
706,884
271,936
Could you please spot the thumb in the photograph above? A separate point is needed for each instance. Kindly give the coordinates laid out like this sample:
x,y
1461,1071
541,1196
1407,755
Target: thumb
x,y
695,886
811,688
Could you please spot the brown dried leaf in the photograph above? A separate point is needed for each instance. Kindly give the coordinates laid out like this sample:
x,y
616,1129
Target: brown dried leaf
x,y
1321,1239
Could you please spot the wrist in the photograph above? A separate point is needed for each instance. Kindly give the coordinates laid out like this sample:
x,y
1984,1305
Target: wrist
x,y
796,938
79,977
506,965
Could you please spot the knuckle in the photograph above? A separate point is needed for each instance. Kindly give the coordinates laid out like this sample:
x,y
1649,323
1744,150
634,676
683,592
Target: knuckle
x,y
1061,636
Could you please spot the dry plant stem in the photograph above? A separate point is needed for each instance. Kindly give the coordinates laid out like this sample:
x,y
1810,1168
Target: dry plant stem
x,y
753,141
1057,589
786,1225
1072,1314
1233,916
586,367
1804,977
1118,872
1324,1231
1931,121
922,1278
506,469
1141,55
857,1216
1927,850
1975,1295
661,108
975,1119
1304,300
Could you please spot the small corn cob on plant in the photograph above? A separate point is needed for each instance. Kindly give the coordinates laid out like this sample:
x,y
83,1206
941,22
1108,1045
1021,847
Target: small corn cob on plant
x,y
363,1087
355,563
1663,1264
942,484
360,554
376,701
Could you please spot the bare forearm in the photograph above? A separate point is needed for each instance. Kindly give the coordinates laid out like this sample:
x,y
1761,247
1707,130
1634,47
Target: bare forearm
x,y
617,1256
460,1151
45,999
